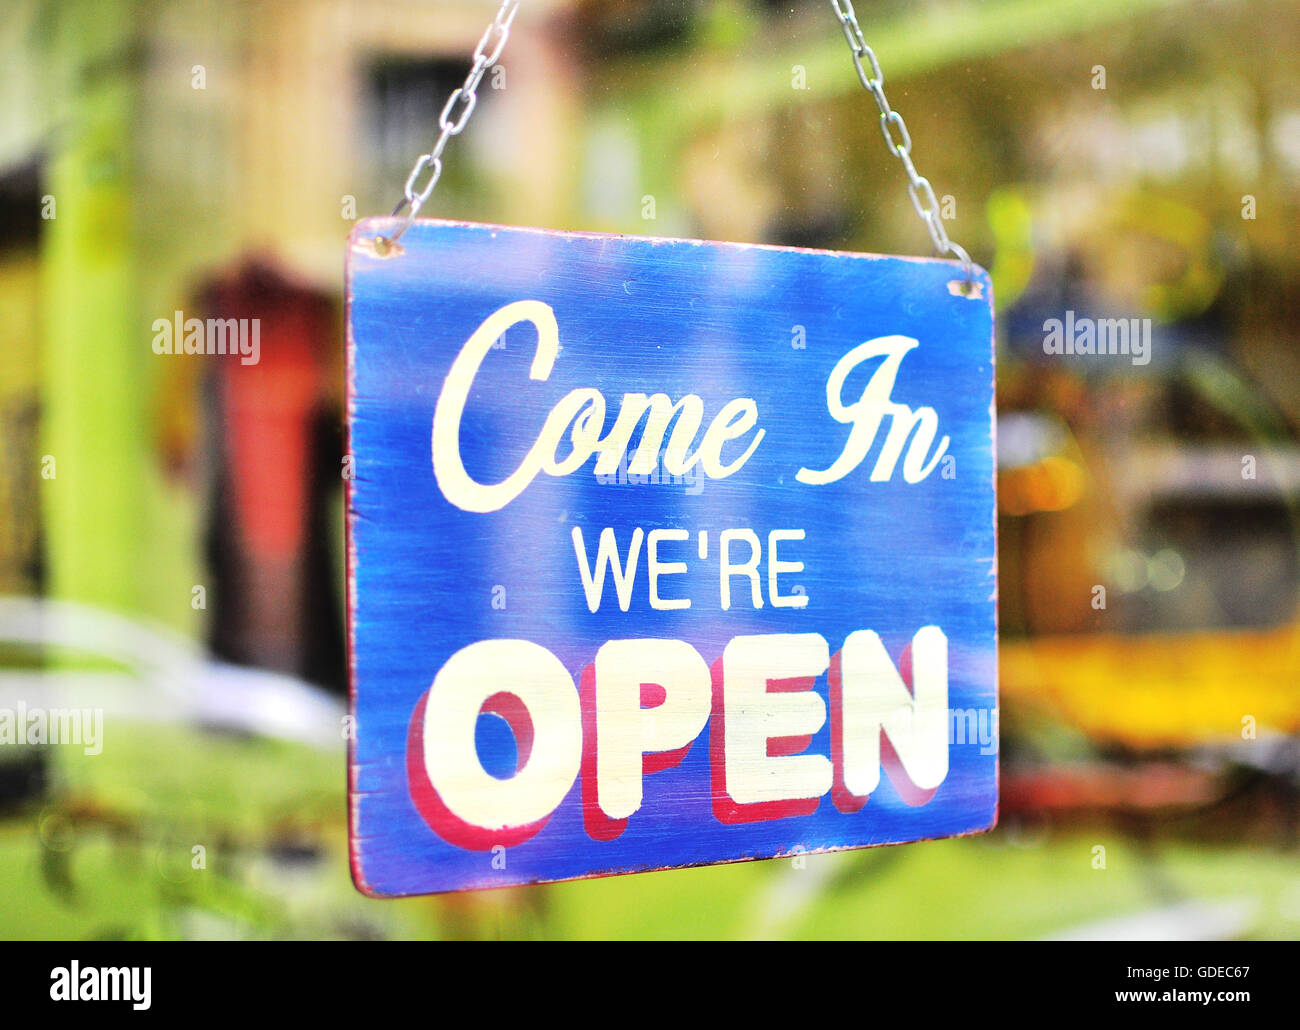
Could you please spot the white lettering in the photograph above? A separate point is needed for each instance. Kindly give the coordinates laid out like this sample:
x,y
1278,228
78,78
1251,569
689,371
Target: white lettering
x,y
866,413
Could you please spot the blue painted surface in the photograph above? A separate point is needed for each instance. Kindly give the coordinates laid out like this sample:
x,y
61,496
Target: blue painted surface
x,y
638,315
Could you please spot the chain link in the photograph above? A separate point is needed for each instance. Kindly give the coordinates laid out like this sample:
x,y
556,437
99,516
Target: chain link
x,y
460,105
456,113
899,142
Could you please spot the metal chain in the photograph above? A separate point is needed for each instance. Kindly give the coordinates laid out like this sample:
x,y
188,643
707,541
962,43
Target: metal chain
x,y
461,105
493,42
900,145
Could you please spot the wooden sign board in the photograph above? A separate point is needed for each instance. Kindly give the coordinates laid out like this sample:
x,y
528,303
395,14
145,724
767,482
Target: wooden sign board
x,y
662,553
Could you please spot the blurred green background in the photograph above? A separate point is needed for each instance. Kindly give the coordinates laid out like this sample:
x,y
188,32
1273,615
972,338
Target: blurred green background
x,y
171,528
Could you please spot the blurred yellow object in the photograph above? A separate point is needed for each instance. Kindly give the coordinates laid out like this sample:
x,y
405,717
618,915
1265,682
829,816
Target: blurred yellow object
x,y
1170,246
1052,484
1170,690
1011,220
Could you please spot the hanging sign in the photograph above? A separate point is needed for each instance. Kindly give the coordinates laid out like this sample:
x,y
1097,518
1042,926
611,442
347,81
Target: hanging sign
x,y
662,553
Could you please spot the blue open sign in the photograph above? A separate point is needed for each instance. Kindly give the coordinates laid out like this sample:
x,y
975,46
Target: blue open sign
x,y
662,553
